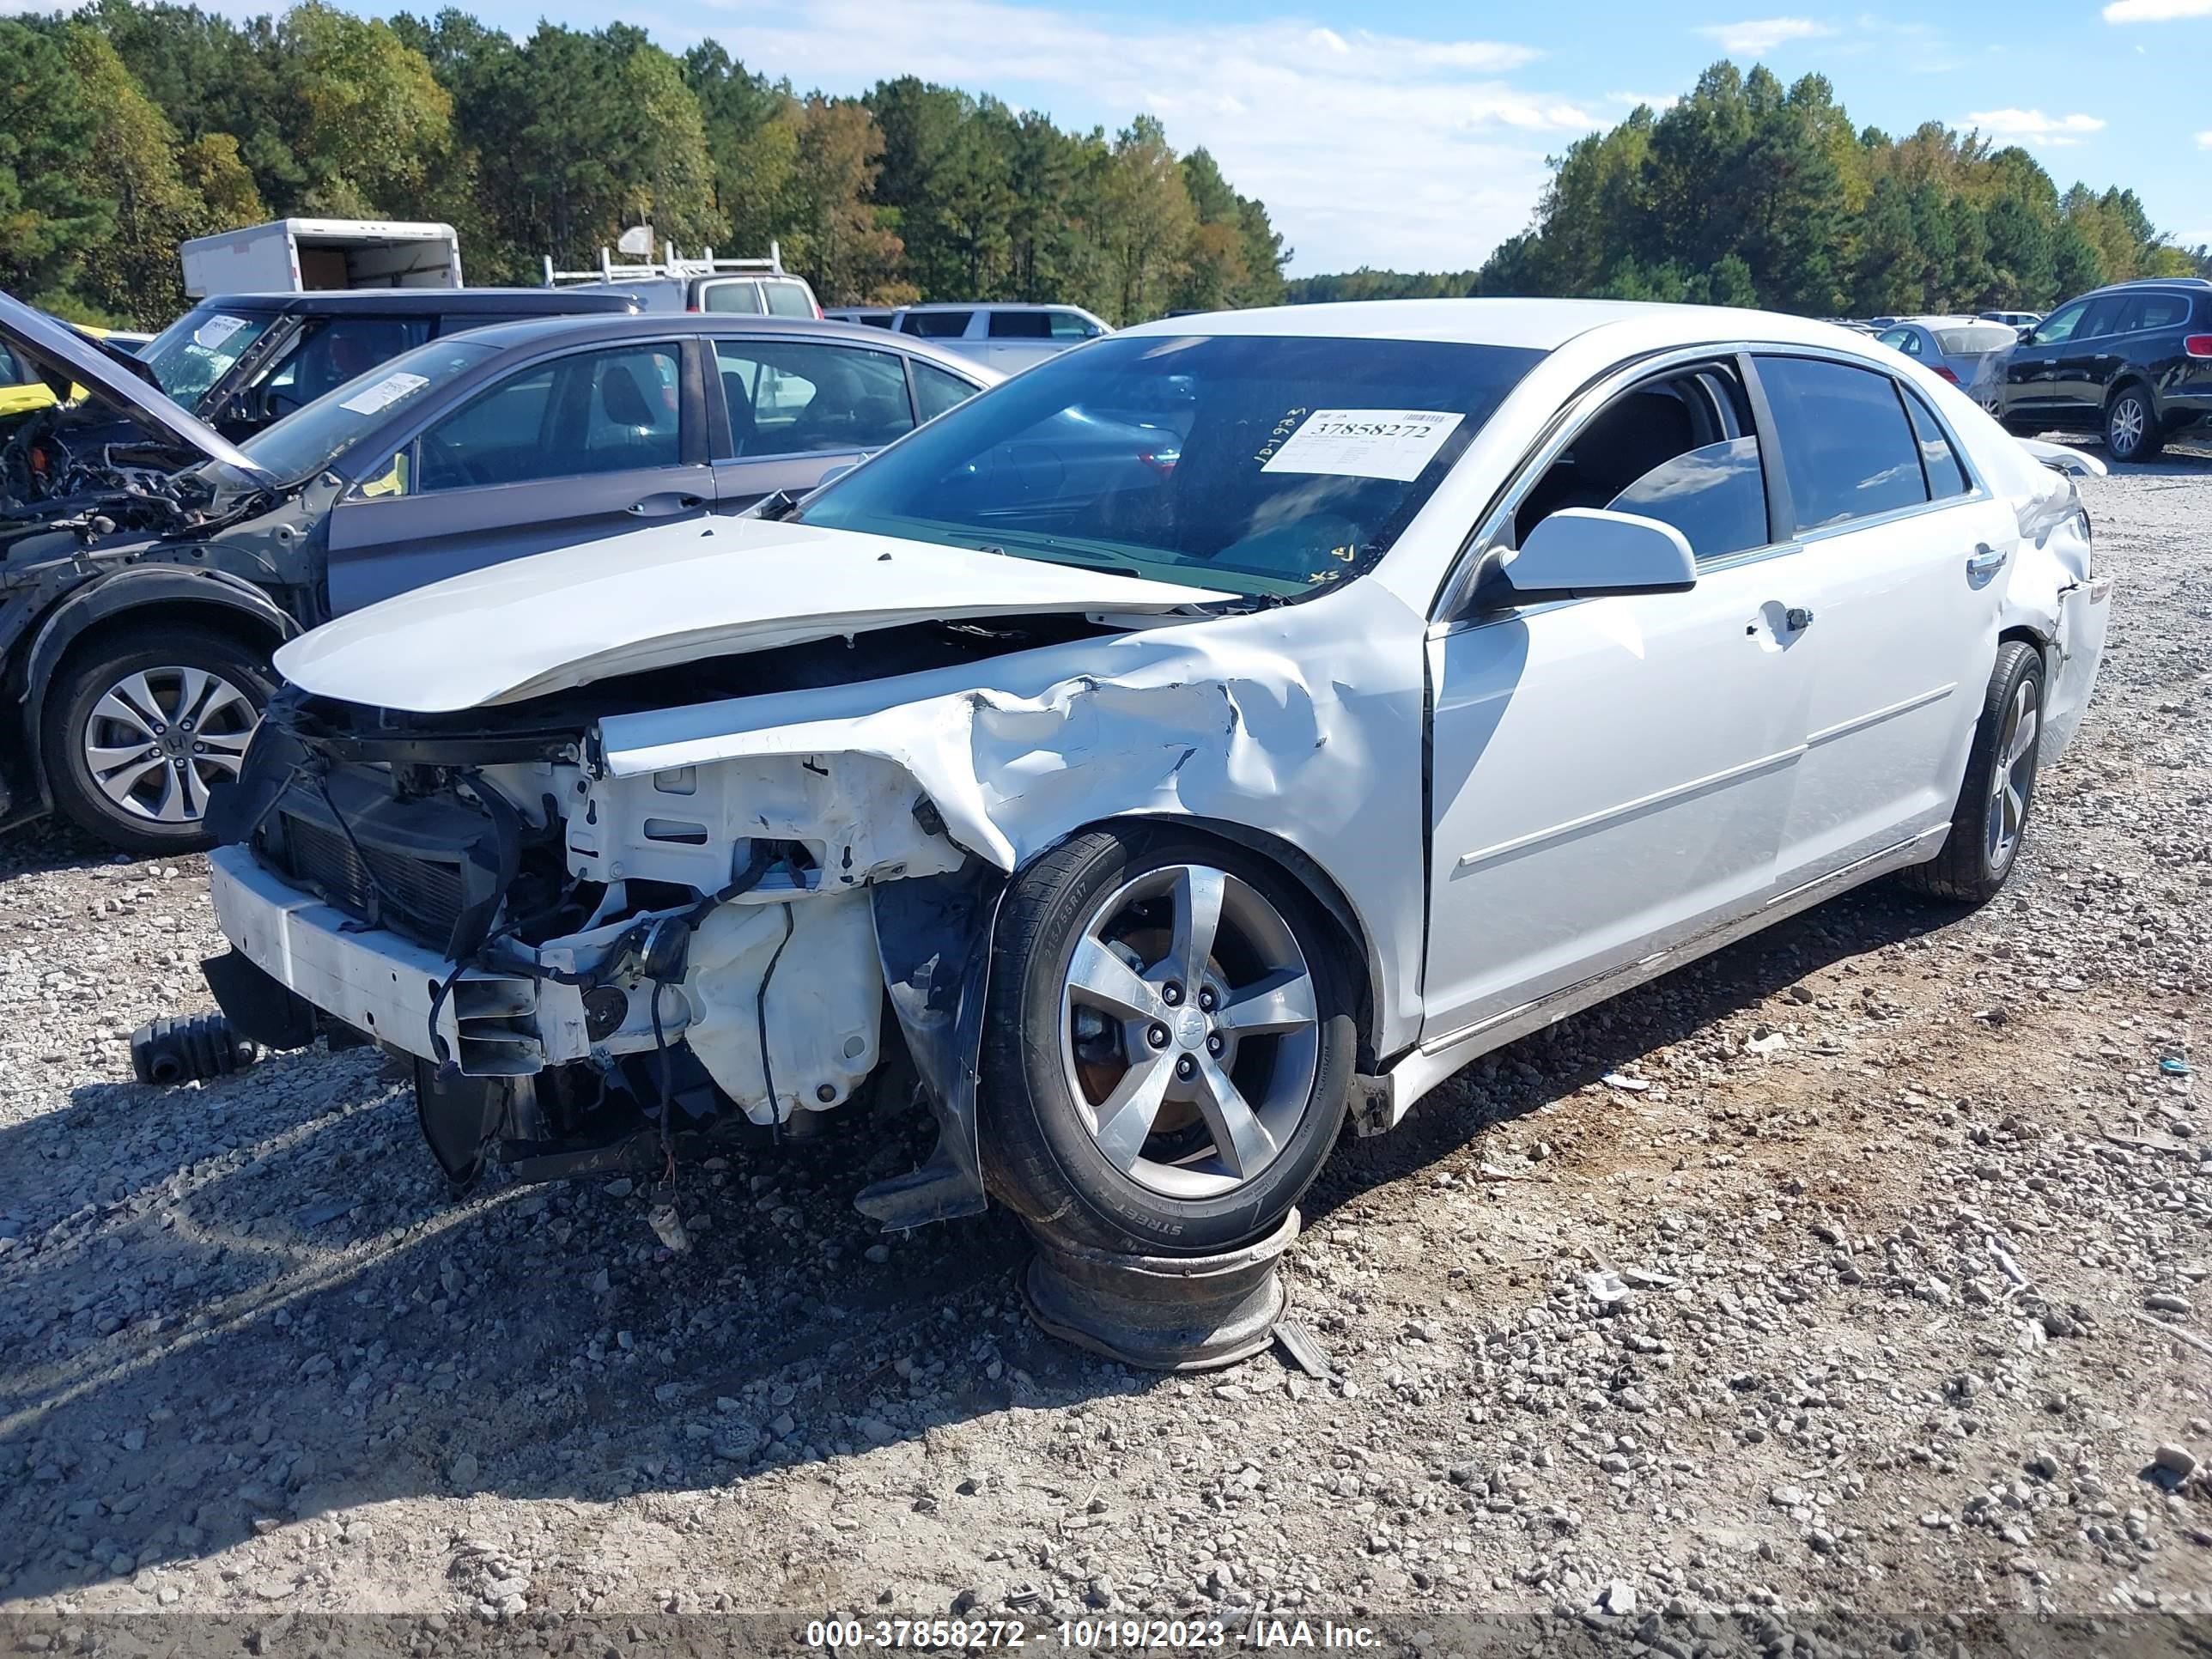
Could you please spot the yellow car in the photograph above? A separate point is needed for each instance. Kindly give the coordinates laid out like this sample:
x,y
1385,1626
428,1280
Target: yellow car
x,y
22,392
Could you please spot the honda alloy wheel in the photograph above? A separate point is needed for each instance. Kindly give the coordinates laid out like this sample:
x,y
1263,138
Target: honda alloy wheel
x,y
1171,1047
141,730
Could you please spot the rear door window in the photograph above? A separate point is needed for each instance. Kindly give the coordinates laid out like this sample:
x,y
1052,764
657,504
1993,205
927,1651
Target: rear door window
x,y
936,325
2104,317
787,397
732,298
1020,326
1846,448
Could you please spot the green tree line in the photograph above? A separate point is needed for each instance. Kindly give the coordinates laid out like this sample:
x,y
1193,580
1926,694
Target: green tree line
x,y
126,128
1748,193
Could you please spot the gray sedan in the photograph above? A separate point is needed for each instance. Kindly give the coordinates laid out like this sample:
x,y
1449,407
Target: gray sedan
x,y
1967,351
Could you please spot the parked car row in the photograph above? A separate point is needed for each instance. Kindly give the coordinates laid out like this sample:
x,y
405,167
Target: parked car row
x,y
2132,362
1007,335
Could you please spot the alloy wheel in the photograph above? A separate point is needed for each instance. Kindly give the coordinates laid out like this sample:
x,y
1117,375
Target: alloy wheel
x,y
2125,434
1189,1031
2012,776
162,737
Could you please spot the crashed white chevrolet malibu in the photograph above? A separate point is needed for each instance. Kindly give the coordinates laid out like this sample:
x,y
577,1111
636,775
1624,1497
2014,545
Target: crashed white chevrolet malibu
x,y
1232,725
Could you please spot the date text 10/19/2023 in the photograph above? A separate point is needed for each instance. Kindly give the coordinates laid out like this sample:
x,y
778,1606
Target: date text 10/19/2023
x,y
1088,1634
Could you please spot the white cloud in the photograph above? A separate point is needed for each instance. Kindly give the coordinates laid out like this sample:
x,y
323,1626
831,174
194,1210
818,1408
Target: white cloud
x,y
1757,36
1660,102
1368,148
2055,132
2204,139
2155,11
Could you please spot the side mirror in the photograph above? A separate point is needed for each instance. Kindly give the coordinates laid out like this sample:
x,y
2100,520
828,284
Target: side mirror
x,y
1587,553
2028,335
835,473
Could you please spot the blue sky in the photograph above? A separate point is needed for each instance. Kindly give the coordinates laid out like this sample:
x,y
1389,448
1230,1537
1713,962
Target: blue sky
x,y
1415,136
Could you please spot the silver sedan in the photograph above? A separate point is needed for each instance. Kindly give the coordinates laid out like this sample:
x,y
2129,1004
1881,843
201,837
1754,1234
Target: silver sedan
x,y
1967,351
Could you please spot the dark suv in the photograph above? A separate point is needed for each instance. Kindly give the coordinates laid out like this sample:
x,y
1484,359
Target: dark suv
x,y
2133,361
240,360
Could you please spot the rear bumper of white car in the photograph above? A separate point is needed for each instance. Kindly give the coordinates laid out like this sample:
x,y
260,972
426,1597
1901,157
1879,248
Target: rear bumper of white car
x,y
2084,609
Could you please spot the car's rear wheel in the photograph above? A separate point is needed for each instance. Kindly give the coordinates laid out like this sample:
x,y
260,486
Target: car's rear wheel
x,y
141,726
1990,820
2131,428
1169,1046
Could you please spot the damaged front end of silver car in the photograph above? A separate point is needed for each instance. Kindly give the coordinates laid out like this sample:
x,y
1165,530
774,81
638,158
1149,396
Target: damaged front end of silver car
x,y
583,970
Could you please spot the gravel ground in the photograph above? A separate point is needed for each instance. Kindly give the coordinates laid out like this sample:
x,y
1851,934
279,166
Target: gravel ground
x,y
1863,1266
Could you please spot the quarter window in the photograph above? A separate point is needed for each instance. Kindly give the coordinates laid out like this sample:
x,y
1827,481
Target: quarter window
x,y
937,392
786,399
1939,462
1847,451
2149,311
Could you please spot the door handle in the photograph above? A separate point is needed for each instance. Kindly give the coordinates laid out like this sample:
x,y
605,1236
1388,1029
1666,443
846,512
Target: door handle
x,y
1797,618
667,502
1986,561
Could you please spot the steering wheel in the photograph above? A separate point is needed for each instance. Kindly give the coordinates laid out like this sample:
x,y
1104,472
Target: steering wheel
x,y
444,462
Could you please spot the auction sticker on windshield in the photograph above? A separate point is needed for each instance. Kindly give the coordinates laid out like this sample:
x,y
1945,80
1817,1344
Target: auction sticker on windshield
x,y
217,329
1365,443
385,393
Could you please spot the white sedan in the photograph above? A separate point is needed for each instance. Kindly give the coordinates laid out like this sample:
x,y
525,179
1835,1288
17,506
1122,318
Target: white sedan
x,y
1235,724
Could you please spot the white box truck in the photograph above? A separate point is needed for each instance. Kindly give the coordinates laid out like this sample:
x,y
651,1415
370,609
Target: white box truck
x,y
292,256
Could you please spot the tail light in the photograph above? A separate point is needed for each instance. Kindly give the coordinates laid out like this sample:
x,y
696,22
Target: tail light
x,y
1946,374
2197,345
1162,461
819,316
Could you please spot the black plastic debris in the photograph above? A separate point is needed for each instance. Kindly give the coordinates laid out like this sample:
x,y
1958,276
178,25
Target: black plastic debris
x,y
168,1052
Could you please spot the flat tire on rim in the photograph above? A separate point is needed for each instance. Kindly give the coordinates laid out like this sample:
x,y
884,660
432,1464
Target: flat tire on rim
x,y
1170,1045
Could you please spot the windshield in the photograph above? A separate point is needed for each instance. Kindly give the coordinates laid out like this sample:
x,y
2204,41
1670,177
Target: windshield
x,y
317,433
190,355
1253,464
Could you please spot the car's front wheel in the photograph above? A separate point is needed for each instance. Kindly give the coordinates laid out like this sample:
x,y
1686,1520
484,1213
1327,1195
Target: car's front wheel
x,y
1169,1046
2131,429
143,724
1991,819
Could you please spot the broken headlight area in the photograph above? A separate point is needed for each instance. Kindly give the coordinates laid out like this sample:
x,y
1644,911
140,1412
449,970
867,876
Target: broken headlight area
x,y
582,970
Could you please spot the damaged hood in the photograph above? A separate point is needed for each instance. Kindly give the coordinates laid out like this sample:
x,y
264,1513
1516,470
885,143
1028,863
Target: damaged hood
x,y
63,358
678,593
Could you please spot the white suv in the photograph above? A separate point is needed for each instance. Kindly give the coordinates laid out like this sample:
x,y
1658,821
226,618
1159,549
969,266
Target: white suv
x,y
1009,337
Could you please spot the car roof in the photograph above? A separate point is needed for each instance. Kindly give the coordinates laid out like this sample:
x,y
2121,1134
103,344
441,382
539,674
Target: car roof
x,y
992,305
1541,325
451,301
536,331
2135,283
